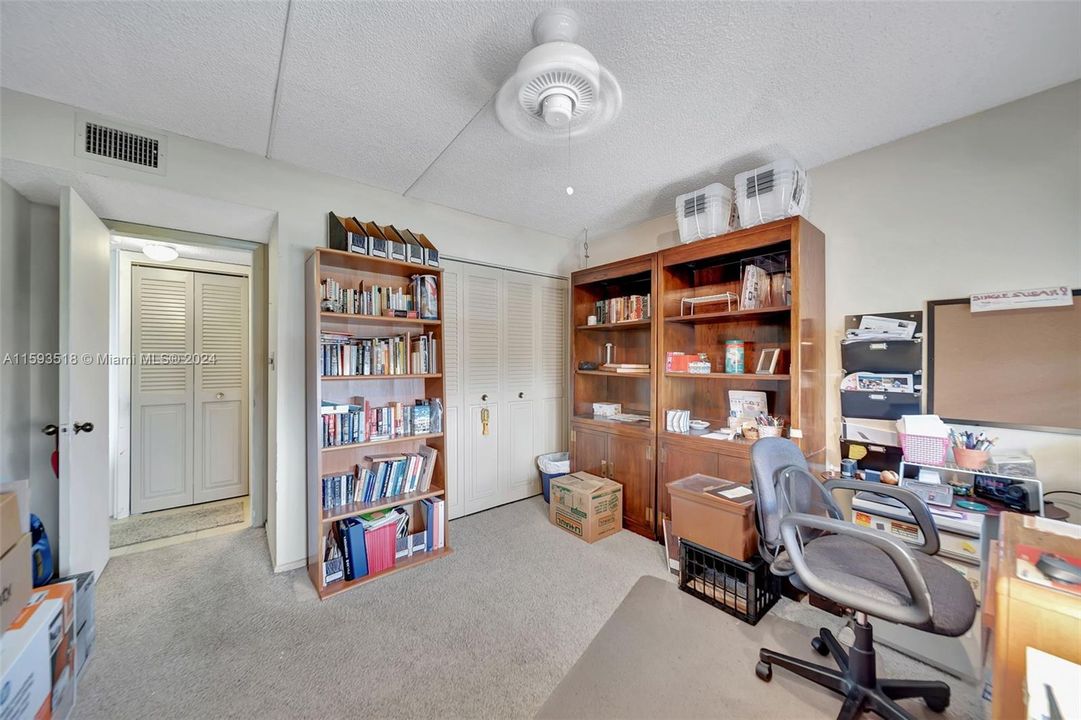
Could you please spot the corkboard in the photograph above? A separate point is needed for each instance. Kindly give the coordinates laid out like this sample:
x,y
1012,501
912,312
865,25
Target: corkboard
x,y
1016,368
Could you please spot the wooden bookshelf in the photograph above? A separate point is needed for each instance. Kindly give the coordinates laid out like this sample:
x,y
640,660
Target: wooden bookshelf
x,y
350,270
624,452
796,392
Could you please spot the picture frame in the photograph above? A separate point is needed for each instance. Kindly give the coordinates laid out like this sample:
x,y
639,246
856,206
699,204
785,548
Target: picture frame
x,y
767,361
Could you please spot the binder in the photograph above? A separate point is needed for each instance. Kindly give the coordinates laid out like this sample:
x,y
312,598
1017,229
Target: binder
x,y
354,548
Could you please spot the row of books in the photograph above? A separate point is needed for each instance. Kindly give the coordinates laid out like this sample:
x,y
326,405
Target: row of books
x,y
370,543
385,477
375,300
359,422
622,309
343,355
382,241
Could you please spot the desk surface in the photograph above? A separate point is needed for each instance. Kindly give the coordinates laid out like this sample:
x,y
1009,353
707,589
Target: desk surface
x,y
666,654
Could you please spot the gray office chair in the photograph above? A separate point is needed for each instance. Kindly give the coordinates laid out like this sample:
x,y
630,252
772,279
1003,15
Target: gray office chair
x,y
803,535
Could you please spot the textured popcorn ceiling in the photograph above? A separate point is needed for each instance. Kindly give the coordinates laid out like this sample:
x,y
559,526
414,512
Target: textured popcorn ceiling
x,y
396,94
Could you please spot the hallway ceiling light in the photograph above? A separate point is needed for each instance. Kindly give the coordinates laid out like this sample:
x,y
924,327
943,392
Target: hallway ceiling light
x,y
160,252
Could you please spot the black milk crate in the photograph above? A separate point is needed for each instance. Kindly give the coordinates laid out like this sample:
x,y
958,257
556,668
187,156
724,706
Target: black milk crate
x,y
744,589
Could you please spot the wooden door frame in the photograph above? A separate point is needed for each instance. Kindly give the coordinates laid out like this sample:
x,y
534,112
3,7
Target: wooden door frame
x,y
120,315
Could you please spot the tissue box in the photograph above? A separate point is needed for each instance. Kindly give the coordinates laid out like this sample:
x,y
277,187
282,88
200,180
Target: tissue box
x,y
606,409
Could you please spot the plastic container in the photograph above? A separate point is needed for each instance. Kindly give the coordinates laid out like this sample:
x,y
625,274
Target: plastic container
x,y
771,192
723,525
703,213
925,449
746,590
551,466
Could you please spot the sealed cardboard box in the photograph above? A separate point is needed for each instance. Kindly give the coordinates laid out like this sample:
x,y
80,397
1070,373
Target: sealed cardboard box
x,y
716,514
16,581
585,505
11,523
26,661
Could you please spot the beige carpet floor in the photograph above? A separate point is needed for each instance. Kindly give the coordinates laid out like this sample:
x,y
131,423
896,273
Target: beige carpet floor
x,y
179,521
206,630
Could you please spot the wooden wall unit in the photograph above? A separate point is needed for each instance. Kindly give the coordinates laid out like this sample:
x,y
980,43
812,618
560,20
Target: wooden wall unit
x,y
350,269
795,392
624,452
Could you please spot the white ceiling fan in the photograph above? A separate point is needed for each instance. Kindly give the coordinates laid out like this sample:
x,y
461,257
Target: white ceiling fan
x,y
559,91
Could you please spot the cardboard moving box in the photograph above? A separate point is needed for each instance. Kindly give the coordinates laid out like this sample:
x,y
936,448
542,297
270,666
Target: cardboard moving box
x,y
37,655
11,522
585,505
16,581
701,514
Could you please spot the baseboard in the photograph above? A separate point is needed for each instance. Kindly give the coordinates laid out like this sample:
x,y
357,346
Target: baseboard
x,y
286,567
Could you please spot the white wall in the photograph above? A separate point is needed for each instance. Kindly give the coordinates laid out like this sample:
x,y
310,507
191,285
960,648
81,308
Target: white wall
x,y
40,132
28,393
988,202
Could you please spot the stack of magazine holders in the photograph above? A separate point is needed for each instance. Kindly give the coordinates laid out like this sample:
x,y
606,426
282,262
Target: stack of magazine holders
x,y
879,356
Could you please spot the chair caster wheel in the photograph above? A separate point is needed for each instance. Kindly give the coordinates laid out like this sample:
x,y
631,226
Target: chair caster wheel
x,y
938,705
819,646
764,671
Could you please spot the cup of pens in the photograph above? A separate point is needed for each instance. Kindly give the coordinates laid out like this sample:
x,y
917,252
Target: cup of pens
x,y
971,451
769,426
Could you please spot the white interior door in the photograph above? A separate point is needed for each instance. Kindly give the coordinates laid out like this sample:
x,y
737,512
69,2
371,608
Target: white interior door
x,y
481,328
84,388
162,401
452,383
221,387
520,300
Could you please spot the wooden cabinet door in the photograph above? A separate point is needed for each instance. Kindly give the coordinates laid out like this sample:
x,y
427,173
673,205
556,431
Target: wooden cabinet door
x,y
630,463
736,468
589,452
678,462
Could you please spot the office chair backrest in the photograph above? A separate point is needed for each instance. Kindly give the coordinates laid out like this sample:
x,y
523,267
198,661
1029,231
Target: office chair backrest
x,y
783,484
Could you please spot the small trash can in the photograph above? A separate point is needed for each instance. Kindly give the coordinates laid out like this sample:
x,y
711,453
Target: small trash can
x,y
551,466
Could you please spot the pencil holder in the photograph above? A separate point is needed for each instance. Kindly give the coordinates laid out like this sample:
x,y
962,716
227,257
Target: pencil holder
x,y
769,430
970,459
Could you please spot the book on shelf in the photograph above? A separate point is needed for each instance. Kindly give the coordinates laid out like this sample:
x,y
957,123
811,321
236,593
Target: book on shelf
x,y
342,355
385,477
370,299
358,422
380,538
622,309
426,294
434,509
626,368
354,549
333,560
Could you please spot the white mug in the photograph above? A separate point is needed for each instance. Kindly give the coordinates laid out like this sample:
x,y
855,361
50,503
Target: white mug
x,y
591,320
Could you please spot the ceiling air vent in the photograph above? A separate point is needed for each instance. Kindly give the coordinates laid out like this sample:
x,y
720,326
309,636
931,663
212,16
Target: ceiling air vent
x,y
118,144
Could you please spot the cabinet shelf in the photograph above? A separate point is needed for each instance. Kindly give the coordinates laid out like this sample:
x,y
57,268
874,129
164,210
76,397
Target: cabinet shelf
x,y
340,586
610,373
354,318
777,377
628,325
714,317
387,441
410,376
344,511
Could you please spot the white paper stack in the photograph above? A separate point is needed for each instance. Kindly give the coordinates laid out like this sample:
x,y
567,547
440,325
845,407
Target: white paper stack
x,y
923,425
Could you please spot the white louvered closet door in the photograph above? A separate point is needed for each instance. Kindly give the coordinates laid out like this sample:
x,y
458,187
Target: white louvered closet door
x,y
221,387
552,377
520,298
162,402
482,325
452,383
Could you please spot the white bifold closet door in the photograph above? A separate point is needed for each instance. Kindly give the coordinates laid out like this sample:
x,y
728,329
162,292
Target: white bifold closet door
x,y
189,418
505,363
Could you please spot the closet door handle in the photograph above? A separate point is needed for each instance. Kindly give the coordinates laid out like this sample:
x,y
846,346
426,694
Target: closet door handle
x,y
521,395
220,396
604,468
484,398
50,429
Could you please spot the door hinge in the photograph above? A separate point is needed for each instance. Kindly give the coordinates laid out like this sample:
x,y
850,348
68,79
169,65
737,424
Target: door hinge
x,y
572,436
649,515
649,452
663,455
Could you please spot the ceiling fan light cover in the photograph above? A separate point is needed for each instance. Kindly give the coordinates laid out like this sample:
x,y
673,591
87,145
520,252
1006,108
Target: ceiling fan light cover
x,y
559,91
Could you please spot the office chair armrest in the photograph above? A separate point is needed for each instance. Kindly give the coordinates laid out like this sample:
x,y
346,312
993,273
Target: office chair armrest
x,y
907,498
918,613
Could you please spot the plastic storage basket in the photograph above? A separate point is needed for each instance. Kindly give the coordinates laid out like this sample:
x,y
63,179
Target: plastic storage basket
x,y
746,590
771,192
925,449
703,213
